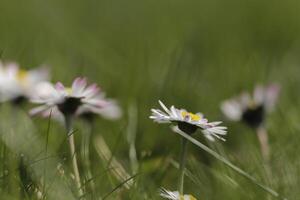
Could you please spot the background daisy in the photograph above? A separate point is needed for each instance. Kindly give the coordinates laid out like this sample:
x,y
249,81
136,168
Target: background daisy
x,y
17,84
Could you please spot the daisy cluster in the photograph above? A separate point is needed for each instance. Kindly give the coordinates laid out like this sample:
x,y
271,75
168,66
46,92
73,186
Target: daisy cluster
x,y
86,100
81,99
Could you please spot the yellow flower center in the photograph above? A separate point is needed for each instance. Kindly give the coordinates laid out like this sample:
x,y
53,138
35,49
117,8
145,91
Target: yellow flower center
x,y
22,75
194,117
252,104
68,90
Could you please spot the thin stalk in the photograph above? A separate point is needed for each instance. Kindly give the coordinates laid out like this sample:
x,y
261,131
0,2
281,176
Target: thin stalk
x,y
46,152
229,164
13,161
131,137
86,154
182,164
107,156
263,139
73,153
4,167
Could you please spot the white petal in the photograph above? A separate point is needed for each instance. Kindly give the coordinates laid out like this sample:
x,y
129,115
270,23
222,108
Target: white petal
x,y
232,110
272,94
259,94
244,100
46,93
164,107
91,91
174,112
38,110
169,194
78,86
60,87
37,75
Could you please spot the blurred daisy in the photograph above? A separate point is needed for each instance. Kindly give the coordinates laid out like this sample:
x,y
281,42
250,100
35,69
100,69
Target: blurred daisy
x,y
65,103
80,99
188,122
252,108
175,195
17,84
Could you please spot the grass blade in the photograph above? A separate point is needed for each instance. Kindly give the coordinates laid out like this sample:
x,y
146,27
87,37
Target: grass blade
x,y
229,164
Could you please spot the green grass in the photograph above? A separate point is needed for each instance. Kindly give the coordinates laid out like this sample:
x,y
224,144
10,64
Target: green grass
x,y
192,54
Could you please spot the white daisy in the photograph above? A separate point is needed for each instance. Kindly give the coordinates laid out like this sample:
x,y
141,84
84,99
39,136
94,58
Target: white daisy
x,y
188,122
175,195
80,99
252,109
17,84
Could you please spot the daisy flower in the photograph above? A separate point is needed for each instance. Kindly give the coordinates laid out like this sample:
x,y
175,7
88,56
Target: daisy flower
x,y
252,108
80,99
17,84
188,122
65,103
175,195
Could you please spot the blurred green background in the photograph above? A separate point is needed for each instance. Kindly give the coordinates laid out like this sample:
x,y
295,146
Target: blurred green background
x,y
191,54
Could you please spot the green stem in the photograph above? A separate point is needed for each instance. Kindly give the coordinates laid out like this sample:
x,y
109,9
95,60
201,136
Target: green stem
x,y
86,155
73,153
229,164
263,139
182,165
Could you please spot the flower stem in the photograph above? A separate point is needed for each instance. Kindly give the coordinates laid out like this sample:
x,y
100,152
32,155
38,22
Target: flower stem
x,y
86,141
182,164
73,153
262,135
229,164
263,139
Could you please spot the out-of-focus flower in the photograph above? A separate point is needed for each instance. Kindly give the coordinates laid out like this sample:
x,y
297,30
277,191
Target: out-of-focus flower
x,y
188,122
17,84
252,108
78,100
175,195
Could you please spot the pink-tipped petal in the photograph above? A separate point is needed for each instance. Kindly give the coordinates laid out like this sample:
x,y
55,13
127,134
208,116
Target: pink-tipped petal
x,y
91,91
12,69
78,85
272,94
59,86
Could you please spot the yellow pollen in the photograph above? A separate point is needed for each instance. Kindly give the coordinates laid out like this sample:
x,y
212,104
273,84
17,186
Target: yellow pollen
x,y
68,90
21,75
191,115
252,104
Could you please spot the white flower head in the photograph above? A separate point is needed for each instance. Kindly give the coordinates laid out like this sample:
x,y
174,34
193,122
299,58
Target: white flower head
x,y
188,122
81,98
17,84
252,108
175,195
